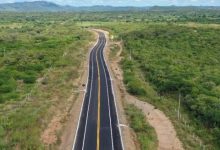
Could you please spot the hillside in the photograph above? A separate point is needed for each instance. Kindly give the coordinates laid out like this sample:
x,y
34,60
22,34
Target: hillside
x,y
43,6
31,6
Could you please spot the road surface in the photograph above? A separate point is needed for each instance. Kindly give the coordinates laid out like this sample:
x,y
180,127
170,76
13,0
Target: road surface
x,y
98,127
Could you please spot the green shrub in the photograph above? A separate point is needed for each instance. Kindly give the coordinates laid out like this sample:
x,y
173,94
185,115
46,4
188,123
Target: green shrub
x,y
7,86
29,79
135,87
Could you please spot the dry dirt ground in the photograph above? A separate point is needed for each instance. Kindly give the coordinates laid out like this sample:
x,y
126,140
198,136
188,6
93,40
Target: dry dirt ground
x,y
166,134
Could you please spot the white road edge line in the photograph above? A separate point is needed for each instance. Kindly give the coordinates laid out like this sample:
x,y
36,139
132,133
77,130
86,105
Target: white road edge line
x,y
110,120
124,125
87,113
74,142
114,98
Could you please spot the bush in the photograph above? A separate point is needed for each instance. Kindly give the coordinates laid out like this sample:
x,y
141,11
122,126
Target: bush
x,y
29,79
8,86
135,87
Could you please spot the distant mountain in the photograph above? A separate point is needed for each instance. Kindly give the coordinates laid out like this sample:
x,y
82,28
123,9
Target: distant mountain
x,y
31,6
43,6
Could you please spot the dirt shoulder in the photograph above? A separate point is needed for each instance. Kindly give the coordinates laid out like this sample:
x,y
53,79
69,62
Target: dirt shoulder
x,y
166,134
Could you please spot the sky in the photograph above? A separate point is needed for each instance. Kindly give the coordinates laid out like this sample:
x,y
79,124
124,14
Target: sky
x,y
128,2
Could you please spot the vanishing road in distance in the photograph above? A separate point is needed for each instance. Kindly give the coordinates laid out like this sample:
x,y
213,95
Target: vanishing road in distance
x,y
98,127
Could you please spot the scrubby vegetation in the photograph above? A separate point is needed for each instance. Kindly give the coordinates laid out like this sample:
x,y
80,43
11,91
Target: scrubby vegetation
x,y
180,59
154,14
40,55
189,64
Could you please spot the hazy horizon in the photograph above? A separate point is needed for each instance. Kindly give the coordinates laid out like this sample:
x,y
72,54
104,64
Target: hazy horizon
x,y
138,3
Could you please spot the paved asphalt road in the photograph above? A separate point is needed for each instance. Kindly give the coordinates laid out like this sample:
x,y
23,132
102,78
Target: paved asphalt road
x,y
98,127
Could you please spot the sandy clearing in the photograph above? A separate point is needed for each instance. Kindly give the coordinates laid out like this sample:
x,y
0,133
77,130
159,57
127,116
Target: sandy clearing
x,y
49,135
165,131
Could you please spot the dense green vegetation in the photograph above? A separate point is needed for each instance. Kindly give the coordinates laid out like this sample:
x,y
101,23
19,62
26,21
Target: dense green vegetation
x,y
145,133
40,55
189,64
152,15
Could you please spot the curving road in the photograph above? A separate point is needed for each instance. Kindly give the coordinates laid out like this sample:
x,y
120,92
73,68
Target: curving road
x,y
98,127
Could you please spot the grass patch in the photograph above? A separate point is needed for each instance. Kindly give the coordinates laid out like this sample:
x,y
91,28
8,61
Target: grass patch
x,y
145,133
114,48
